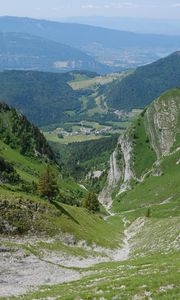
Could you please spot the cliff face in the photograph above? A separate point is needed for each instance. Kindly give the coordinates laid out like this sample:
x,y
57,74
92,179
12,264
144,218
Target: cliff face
x,y
114,175
155,135
162,120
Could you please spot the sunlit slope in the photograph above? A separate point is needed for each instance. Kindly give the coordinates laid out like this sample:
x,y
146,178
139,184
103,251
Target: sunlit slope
x,y
153,164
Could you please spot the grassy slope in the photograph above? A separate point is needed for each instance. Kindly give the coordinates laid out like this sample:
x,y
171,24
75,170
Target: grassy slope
x,y
153,272
141,149
30,168
61,218
157,129
155,189
83,82
25,211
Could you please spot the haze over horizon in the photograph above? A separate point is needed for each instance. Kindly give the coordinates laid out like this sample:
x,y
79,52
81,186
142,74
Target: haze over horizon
x,y
167,9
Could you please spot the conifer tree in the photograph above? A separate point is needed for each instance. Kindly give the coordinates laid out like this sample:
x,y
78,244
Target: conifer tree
x,y
91,202
148,215
47,186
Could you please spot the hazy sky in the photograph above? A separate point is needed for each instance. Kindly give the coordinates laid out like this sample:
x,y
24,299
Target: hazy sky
x,y
65,8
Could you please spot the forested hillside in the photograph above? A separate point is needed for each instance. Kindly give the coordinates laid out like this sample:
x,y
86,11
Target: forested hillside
x,y
43,97
51,98
145,84
17,132
48,98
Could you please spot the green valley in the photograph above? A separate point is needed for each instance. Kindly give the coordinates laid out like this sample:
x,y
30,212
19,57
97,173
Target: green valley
x,y
90,199
48,99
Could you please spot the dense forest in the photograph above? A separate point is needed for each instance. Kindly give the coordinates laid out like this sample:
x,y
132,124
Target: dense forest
x,y
42,97
145,84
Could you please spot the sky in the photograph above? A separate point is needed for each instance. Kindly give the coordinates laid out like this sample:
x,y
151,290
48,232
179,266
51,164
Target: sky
x,y
68,8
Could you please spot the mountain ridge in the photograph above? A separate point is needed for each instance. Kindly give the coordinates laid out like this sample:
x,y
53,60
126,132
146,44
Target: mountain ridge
x,y
41,21
29,52
107,46
145,83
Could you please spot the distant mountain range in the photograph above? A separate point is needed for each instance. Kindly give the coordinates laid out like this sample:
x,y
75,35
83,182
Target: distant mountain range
x,y
118,49
22,51
138,25
79,36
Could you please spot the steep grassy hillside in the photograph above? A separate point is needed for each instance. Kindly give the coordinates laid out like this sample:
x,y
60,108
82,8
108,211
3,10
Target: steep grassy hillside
x,y
23,214
22,210
24,155
153,162
145,84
